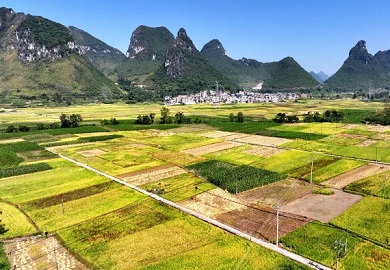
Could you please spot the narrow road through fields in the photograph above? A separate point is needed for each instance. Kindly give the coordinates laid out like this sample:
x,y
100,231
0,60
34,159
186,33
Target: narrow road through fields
x,y
214,222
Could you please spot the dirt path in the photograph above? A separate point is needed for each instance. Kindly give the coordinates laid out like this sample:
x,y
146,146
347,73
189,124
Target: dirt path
x,y
356,174
322,207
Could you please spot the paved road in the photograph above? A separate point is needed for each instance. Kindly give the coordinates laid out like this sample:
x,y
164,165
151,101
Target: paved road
x,y
214,222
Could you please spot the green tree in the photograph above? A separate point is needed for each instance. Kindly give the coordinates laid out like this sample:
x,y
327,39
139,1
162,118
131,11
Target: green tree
x,y
165,118
180,118
231,117
72,120
240,117
11,129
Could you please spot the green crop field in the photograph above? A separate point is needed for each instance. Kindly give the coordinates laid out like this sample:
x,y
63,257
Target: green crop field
x,y
64,177
316,241
370,217
234,178
377,185
15,221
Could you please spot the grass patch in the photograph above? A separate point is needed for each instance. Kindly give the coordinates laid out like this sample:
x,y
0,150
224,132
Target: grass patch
x,y
369,218
316,241
250,127
15,221
324,191
234,178
23,169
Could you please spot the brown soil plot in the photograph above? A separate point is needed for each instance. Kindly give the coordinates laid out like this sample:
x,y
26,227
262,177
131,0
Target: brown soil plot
x,y
322,207
263,151
140,178
211,148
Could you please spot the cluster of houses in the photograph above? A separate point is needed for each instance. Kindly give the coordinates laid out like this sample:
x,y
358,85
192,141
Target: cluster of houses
x,y
217,97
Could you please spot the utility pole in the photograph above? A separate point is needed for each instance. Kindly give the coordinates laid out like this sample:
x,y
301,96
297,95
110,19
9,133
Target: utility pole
x,y
277,225
384,186
376,154
311,170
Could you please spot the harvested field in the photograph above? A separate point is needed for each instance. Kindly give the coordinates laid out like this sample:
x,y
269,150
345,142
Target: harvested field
x,y
143,177
357,174
218,134
263,151
40,253
213,202
11,141
235,136
211,148
277,193
366,143
322,207
378,128
262,140
260,222
92,153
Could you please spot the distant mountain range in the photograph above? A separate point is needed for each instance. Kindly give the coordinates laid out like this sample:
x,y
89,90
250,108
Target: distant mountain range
x,y
320,76
362,71
44,59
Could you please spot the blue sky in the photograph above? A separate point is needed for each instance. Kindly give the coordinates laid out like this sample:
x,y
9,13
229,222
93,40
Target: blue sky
x,y
318,34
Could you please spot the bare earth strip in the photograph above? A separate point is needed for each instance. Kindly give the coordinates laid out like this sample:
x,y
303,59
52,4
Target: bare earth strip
x,y
40,253
322,207
11,141
366,143
262,140
357,174
213,202
92,153
211,148
218,134
153,175
263,151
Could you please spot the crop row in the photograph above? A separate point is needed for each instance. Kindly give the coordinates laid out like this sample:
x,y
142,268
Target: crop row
x,y
84,140
234,178
23,169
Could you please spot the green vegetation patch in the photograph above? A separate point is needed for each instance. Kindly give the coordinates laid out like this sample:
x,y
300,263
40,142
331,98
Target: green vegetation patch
x,y
23,169
251,127
316,241
4,263
15,221
324,191
8,152
377,185
68,196
64,177
82,209
370,218
334,169
85,140
235,178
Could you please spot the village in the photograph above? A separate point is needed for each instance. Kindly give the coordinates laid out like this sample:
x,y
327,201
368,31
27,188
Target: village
x,y
217,97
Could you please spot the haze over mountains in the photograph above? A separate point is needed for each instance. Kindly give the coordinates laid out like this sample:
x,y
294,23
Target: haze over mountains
x,y
40,57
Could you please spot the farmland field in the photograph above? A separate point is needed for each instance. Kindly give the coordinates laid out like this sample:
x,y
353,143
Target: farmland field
x,y
369,218
109,226
15,221
316,241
